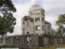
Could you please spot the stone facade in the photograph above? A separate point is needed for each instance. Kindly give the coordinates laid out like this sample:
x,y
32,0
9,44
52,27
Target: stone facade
x,y
35,23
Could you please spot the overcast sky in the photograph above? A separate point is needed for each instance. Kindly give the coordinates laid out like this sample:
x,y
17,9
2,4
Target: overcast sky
x,y
53,8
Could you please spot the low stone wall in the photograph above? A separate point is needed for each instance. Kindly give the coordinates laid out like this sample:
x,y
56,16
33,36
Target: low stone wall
x,y
33,41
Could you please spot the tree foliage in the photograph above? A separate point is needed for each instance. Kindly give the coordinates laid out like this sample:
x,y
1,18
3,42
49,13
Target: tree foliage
x,y
7,21
60,22
8,4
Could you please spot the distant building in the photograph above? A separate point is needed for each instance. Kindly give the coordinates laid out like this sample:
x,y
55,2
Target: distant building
x,y
35,23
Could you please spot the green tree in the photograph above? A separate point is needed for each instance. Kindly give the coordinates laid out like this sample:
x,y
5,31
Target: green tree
x,y
7,21
60,22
